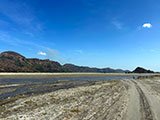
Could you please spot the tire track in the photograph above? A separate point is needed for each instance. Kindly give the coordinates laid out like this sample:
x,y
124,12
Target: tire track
x,y
146,112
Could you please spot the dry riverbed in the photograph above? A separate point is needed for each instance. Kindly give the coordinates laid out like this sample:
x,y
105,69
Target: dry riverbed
x,y
129,99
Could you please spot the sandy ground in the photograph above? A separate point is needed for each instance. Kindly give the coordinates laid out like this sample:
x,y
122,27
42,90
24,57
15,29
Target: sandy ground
x,y
69,74
130,99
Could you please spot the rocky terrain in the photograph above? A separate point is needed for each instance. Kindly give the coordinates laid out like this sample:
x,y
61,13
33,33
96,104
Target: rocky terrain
x,y
14,62
128,99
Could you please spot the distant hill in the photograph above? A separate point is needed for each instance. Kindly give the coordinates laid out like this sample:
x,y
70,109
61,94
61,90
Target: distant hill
x,y
14,62
75,68
141,70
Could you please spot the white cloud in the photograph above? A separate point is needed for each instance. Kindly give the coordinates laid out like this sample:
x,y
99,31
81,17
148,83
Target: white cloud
x,y
117,23
54,55
147,25
14,41
42,53
79,51
22,15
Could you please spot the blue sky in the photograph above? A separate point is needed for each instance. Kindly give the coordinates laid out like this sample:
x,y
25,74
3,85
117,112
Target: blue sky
x,y
96,33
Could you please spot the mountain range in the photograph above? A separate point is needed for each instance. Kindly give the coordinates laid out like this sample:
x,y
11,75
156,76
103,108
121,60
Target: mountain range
x,y
14,62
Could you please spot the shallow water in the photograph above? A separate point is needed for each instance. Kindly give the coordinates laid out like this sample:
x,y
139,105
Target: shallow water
x,y
48,84
72,78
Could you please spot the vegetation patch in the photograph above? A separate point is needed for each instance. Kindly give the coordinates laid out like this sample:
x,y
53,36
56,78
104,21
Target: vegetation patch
x,y
75,111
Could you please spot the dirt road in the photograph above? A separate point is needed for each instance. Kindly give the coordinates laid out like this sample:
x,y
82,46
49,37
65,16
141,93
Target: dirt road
x,y
130,99
144,101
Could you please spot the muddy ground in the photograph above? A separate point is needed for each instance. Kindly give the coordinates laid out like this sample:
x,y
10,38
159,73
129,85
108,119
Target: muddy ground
x,y
128,99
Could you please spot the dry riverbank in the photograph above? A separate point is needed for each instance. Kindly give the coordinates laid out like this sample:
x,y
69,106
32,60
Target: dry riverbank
x,y
9,75
130,99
